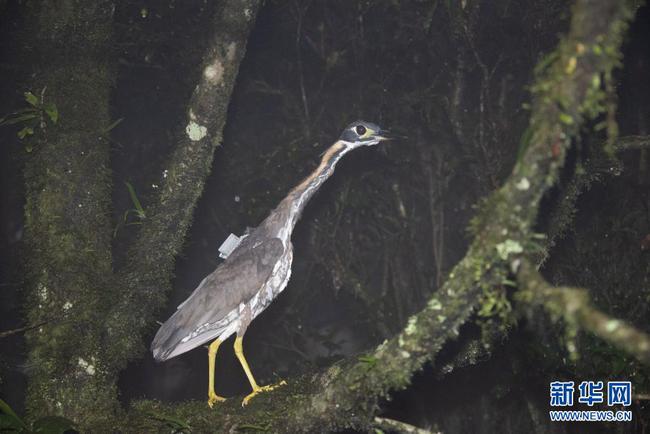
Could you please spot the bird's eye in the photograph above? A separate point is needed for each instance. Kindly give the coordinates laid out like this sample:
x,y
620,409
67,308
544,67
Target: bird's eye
x,y
360,130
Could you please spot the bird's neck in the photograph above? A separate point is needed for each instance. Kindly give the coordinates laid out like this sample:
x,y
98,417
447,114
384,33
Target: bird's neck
x,y
300,195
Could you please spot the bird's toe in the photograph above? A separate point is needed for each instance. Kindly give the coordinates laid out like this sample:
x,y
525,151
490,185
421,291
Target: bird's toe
x,y
213,398
259,390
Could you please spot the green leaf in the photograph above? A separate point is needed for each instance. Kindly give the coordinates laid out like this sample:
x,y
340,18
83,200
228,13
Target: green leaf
x,y
9,417
9,424
16,113
526,137
9,120
368,360
175,423
31,99
27,131
546,61
25,110
138,207
113,125
251,427
52,112
566,119
52,425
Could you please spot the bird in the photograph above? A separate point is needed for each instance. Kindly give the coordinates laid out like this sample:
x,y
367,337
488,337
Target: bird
x,y
256,269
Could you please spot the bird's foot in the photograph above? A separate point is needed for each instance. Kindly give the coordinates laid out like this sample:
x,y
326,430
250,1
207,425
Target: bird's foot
x,y
259,390
213,397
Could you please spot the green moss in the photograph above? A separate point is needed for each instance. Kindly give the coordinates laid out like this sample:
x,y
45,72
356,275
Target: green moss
x,y
67,224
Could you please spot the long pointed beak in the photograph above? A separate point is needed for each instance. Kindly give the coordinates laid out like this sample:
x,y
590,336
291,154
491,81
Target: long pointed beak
x,y
384,135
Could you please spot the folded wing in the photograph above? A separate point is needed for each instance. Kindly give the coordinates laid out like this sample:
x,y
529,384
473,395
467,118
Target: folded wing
x,y
209,310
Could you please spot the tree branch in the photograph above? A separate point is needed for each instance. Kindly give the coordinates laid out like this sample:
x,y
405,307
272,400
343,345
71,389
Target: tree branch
x,y
7,333
594,170
575,306
561,218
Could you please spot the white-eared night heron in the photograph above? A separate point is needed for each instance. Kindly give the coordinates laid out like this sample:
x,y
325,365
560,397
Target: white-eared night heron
x,y
257,268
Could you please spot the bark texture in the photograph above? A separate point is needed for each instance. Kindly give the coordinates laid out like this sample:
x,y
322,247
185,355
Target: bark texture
x,y
68,228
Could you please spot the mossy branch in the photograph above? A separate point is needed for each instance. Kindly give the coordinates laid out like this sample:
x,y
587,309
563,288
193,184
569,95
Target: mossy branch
x,y
562,216
561,219
347,394
575,307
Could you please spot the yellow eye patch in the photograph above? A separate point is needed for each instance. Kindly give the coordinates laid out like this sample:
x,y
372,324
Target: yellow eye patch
x,y
368,133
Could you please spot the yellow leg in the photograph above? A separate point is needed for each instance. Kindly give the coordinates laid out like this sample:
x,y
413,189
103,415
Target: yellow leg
x,y
239,351
212,354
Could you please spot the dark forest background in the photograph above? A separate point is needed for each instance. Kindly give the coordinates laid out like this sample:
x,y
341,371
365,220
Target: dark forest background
x,y
381,236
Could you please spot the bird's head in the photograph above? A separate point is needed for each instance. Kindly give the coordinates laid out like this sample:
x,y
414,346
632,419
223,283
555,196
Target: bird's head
x,y
362,133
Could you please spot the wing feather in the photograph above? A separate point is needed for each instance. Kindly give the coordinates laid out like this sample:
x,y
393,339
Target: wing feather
x,y
234,281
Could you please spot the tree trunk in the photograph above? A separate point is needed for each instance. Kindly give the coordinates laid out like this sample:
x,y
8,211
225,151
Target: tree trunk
x,y
67,213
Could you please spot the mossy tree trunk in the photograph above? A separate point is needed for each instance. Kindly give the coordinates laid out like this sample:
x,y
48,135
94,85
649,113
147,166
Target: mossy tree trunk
x,y
95,317
68,227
